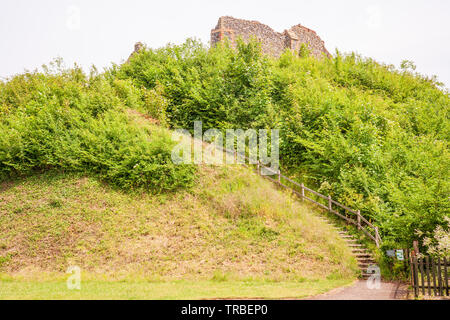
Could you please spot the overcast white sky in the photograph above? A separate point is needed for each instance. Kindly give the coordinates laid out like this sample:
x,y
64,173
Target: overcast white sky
x,y
103,31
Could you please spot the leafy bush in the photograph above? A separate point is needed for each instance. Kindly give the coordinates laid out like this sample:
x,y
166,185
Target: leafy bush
x,y
439,244
63,119
223,88
374,137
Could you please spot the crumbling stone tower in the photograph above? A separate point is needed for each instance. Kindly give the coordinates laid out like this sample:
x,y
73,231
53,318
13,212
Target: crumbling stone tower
x,y
272,42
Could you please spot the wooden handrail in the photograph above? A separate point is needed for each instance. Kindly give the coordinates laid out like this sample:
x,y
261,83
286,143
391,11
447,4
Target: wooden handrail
x,y
361,222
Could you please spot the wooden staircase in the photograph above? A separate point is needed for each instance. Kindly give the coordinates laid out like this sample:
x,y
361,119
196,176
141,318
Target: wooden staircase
x,y
363,256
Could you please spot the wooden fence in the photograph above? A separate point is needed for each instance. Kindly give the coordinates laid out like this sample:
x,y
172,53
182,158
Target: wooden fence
x,y
351,216
429,275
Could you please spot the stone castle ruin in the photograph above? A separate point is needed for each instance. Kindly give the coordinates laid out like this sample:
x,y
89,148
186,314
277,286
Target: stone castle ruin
x,y
272,42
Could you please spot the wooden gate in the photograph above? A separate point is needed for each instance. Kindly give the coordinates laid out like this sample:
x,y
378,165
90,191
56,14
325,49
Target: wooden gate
x,y
429,275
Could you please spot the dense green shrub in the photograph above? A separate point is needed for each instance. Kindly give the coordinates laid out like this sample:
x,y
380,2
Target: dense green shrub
x,y
374,137
223,88
66,120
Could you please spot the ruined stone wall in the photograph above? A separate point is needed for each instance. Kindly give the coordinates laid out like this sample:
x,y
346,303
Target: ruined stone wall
x,y
308,37
138,46
272,42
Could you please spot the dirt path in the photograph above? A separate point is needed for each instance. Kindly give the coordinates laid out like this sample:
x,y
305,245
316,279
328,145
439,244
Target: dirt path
x,y
360,291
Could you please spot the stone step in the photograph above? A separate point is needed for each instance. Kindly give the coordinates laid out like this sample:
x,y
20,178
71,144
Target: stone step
x,y
364,261
359,252
367,258
363,256
366,275
364,266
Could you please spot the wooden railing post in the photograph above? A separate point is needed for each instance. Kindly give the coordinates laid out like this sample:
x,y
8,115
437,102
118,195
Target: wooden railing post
x,y
329,203
358,216
422,273
411,269
258,169
416,277
377,237
303,192
427,261
445,276
433,272
416,246
439,272
279,176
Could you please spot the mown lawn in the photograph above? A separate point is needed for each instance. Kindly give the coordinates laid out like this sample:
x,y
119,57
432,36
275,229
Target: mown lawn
x,y
177,290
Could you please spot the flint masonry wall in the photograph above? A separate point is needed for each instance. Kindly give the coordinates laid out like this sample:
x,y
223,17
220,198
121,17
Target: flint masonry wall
x,y
272,42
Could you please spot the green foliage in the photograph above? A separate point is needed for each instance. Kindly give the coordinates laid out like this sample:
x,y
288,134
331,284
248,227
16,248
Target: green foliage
x,y
439,244
221,87
304,51
65,120
374,137
155,104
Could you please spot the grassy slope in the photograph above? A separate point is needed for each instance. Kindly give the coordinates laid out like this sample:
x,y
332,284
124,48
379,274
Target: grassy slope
x,y
234,232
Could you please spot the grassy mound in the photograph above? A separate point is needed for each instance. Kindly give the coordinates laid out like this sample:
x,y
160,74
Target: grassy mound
x,y
87,181
230,231
231,225
232,235
372,136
